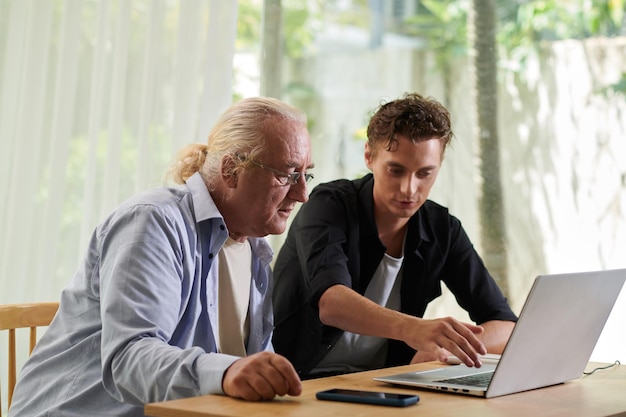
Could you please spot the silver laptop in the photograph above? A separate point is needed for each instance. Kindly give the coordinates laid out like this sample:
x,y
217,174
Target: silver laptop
x,y
551,343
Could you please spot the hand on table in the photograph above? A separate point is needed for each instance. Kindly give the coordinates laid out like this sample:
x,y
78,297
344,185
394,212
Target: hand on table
x,y
261,376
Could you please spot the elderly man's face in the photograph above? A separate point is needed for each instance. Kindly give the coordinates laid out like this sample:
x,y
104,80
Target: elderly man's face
x,y
266,201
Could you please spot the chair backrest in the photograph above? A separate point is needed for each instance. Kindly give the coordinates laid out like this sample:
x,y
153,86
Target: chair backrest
x,y
18,316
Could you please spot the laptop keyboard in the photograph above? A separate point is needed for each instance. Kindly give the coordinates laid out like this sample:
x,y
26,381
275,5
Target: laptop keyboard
x,y
478,380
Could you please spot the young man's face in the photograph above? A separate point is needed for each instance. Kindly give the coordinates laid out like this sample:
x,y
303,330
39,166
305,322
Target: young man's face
x,y
403,176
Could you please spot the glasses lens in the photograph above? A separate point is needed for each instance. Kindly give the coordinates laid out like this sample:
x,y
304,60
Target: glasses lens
x,y
295,177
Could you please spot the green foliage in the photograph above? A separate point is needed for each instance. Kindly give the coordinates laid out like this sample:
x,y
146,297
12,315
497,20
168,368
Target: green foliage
x,y
298,35
248,24
604,17
357,15
620,86
299,20
617,88
538,20
525,26
443,24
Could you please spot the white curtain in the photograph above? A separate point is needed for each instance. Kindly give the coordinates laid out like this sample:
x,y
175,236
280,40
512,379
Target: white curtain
x,y
96,96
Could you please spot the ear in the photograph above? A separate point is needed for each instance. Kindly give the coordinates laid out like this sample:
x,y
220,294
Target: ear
x,y
229,171
368,156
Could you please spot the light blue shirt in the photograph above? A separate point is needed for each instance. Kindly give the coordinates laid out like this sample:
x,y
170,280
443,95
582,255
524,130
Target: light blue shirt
x,y
136,325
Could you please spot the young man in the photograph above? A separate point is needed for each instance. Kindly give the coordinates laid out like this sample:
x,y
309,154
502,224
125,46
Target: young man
x,y
363,259
172,299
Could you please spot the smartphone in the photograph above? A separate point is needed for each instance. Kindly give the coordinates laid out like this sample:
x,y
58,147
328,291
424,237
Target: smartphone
x,y
367,397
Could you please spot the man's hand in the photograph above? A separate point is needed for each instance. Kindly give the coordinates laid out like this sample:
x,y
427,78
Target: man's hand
x,y
261,376
437,339
345,309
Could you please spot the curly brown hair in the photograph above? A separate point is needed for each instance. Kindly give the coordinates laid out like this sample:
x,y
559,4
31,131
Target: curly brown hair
x,y
414,116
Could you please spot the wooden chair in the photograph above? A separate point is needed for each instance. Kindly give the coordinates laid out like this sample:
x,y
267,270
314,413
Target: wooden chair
x,y
17,316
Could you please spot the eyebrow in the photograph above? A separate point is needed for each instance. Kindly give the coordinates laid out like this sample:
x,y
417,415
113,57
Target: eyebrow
x,y
294,165
428,167
397,165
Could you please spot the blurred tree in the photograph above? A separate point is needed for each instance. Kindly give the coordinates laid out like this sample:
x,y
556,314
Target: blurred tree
x,y
278,29
271,49
482,31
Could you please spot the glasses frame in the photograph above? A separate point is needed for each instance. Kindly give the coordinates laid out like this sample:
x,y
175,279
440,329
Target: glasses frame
x,y
286,178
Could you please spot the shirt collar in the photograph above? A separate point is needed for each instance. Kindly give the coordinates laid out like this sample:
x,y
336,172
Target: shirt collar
x,y
203,204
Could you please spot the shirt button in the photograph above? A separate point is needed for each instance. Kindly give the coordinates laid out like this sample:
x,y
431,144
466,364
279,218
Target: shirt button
x,y
222,227
210,256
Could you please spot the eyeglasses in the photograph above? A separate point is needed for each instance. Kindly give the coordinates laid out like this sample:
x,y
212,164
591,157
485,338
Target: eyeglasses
x,y
283,177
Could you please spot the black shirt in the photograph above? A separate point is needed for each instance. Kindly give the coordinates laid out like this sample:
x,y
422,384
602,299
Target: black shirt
x,y
334,240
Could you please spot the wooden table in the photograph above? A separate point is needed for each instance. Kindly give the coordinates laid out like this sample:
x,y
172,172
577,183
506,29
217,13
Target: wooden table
x,y
600,394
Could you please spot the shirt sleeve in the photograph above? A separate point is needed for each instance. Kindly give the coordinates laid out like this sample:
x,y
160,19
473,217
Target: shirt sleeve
x,y
469,280
142,270
320,234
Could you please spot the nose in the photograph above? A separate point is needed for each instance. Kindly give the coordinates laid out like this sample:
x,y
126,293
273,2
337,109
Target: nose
x,y
299,191
409,185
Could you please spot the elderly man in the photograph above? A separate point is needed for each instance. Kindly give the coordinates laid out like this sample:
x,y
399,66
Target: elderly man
x,y
172,299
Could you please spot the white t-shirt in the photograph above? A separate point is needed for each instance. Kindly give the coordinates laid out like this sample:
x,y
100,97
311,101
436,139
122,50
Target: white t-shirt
x,y
355,352
234,266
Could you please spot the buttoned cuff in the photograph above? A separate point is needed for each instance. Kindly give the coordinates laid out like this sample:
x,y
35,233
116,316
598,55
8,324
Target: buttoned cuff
x,y
211,368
